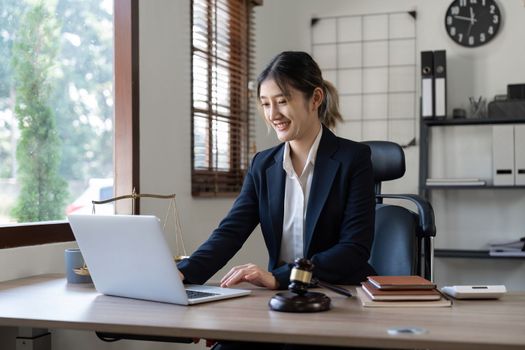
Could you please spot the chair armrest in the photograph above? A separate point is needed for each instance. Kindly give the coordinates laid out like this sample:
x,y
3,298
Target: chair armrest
x,y
427,223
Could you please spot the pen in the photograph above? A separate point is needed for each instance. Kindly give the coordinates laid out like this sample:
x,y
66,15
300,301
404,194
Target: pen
x,y
337,289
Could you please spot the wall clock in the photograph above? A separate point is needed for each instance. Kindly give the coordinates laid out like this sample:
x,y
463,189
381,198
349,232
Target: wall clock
x,y
472,23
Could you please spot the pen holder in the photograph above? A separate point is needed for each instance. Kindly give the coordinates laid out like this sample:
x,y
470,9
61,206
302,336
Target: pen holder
x,y
76,271
478,107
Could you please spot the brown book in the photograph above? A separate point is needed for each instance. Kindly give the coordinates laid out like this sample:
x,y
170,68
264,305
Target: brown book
x,y
401,282
399,294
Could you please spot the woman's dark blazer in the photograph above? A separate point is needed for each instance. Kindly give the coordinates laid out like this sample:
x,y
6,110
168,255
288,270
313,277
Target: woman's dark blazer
x,y
339,222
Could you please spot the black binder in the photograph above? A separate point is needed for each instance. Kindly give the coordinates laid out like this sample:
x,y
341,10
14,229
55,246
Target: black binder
x,y
427,84
440,84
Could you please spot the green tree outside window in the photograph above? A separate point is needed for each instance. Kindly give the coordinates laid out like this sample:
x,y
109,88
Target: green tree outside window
x,y
61,130
42,190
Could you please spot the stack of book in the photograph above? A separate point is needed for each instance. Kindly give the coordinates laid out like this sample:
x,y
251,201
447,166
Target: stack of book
x,y
400,291
512,247
456,182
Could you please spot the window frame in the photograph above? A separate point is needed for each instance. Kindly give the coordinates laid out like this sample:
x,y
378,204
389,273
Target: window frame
x,y
126,115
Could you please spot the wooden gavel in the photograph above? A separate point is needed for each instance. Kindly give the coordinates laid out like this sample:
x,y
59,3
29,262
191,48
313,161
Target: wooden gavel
x,y
301,278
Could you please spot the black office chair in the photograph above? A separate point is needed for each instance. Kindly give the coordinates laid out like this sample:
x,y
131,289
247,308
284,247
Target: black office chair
x,y
403,240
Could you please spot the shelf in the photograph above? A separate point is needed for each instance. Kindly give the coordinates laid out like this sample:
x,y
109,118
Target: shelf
x,y
426,190
467,187
473,121
471,254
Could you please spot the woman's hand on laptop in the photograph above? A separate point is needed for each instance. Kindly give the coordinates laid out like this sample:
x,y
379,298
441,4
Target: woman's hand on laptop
x,y
249,273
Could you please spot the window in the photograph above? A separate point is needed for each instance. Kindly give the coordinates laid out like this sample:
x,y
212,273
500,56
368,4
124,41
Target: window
x,y
124,96
221,67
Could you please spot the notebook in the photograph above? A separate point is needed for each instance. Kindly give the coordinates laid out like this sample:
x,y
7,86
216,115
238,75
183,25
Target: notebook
x,y
399,294
128,256
366,301
401,282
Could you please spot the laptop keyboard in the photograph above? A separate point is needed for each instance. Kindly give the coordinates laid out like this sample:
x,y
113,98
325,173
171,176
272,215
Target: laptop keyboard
x,y
193,294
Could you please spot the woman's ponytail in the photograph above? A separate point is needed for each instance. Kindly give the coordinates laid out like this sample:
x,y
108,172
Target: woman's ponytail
x,y
329,110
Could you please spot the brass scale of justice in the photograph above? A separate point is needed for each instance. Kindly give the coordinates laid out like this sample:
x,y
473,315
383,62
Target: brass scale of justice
x,y
296,299
180,250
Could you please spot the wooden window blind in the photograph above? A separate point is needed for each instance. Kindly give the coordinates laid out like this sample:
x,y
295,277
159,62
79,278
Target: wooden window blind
x,y
222,62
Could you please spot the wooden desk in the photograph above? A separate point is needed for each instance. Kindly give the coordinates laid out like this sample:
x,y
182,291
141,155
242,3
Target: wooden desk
x,y
49,302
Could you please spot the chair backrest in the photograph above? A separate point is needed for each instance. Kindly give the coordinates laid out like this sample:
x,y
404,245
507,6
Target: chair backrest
x,y
396,249
388,161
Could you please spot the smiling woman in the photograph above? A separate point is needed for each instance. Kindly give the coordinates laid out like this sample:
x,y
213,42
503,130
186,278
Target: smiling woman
x,y
312,195
84,124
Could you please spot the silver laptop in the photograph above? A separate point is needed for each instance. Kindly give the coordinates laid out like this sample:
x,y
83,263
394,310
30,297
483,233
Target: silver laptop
x,y
128,256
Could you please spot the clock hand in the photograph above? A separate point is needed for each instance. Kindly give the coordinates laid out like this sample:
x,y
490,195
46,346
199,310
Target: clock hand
x,y
470,19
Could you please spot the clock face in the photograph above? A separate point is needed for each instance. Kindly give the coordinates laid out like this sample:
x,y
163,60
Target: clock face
x,y
472,23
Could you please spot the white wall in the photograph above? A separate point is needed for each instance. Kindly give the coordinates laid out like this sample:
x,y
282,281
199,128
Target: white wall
x,y
284,25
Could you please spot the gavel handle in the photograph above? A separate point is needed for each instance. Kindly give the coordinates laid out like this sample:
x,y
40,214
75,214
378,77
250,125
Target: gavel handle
x,y
333,288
